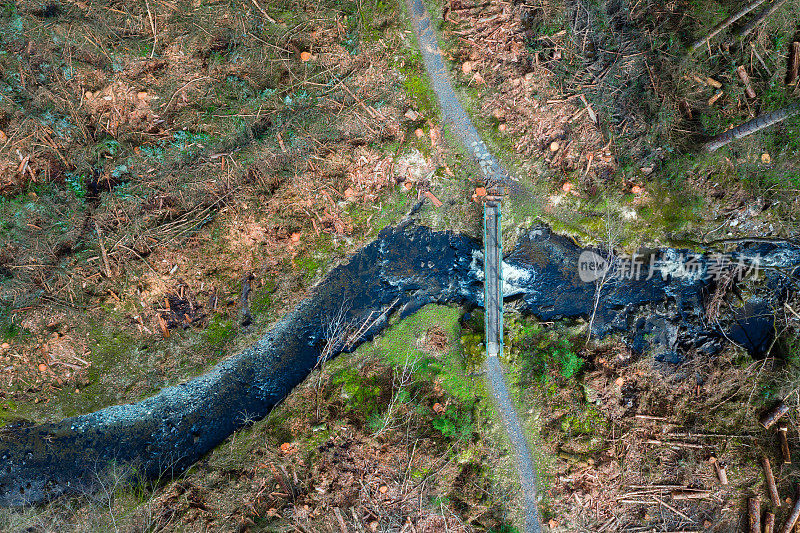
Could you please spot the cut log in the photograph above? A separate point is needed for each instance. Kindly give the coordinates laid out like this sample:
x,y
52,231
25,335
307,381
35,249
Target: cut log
x,y
429,195
772,488
752,126
791,520
769,522
754,515
745,78
794,63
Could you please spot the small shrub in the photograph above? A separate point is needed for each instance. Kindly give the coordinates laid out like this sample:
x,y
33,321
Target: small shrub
x,y
543,355
455,424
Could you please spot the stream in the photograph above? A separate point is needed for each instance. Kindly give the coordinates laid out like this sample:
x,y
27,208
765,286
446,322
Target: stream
x,y
404,269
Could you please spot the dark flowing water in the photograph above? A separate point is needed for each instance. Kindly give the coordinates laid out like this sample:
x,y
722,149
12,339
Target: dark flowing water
x,y
404,269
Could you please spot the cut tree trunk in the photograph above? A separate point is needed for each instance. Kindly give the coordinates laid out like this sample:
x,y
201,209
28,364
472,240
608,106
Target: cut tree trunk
x,y
794,63
752,126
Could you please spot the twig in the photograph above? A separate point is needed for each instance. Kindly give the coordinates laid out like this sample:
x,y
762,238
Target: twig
x,y
653,487
134,252
760,59
677,444
103,253
371,111
671,508
752,126
340,519
725,23
263,12
690,494
182,88
748,28
353,338
649,417
710,436
152,27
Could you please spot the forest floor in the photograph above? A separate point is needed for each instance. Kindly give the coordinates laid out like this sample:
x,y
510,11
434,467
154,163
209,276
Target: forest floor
x,y
155,155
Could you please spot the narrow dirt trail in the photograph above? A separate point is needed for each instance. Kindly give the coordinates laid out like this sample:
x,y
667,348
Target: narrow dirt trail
x,y
494,174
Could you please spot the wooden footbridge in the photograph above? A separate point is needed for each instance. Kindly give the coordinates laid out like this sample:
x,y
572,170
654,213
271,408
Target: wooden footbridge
x,y
493,274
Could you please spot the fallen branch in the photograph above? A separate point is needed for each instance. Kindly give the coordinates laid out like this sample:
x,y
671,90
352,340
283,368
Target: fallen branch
x,y
690,494
748,28
152,27
671,508
263,12
725,23
752,126
674,443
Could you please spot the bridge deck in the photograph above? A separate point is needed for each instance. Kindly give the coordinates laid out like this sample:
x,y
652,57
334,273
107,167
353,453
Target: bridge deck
x,y
493,283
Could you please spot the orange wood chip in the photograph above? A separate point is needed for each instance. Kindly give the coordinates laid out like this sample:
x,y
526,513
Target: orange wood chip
x,y
163,324
429,195
288,448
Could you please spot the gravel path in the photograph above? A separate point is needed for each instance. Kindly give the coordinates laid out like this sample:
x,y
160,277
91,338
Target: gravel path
x,y
494,173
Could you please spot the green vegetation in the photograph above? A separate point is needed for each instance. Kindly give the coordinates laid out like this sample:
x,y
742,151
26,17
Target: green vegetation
x,y
219,331
359,392
135,169
540,353
418,88
7,410
455,424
